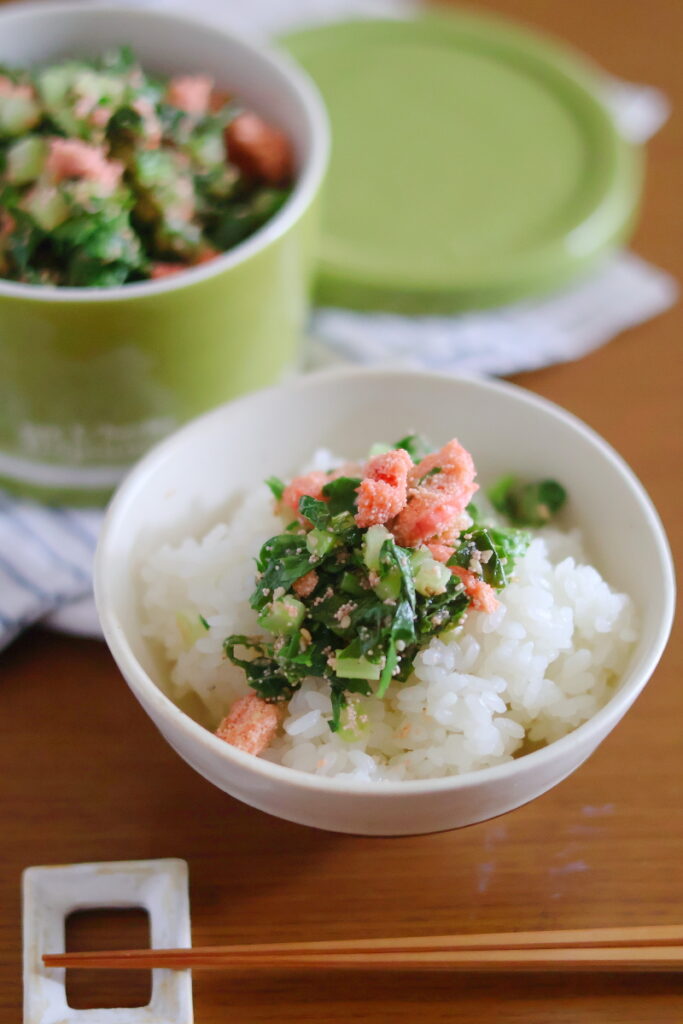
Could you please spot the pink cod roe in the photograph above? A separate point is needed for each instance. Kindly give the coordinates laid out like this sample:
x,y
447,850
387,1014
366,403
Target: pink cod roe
x,y
73,158
8,88
251,724
384,489
481,594
191,93
258,149
306,584
440,488
311,485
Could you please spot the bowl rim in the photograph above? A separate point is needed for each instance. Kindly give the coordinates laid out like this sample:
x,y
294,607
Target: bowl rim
x,y
590,732
306,185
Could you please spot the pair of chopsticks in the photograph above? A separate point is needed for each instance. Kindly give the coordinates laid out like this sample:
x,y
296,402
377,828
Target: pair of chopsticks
x,y
644,948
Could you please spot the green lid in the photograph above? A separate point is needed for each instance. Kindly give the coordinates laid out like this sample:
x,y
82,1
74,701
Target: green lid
x,y
472,163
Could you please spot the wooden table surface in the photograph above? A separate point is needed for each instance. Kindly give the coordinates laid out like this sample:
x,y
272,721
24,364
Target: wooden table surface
x,y
85,776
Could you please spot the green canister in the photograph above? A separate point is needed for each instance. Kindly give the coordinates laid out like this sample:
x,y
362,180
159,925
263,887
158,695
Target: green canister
x,y
90,378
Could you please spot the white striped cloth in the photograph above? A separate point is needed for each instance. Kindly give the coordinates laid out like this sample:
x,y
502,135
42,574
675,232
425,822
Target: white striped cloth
x,y
46,556
46,553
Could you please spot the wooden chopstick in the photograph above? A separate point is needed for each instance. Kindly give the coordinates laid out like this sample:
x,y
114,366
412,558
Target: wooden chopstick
x,y
621,958
649,947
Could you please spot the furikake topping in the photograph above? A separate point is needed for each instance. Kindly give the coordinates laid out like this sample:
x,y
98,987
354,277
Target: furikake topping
x,y
353,606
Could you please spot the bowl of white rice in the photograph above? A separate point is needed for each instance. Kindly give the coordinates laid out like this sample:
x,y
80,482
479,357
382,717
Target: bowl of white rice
x,y
492,713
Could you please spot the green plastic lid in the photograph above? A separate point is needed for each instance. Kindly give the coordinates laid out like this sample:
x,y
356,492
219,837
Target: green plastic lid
x,y
472,164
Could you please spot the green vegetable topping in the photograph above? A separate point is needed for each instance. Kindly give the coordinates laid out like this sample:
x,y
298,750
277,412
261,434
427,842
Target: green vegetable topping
x,y
341,494
431,578
532,504
473,512
351,605
319,542
416,445
282,616
492,553
276,486
373,540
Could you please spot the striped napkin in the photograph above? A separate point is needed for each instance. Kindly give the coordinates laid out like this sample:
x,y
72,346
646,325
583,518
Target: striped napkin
x,y
46,556
46,553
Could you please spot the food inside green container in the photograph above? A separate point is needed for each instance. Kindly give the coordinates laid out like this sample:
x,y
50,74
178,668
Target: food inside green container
x,y
109,175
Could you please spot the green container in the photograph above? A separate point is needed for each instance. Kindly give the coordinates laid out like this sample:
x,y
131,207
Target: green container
x,y
91,378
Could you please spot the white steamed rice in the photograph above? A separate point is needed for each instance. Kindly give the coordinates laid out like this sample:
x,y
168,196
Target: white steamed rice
x,y
546,660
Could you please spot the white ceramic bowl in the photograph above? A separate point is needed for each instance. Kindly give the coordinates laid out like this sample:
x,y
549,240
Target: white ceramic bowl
x,y
183,484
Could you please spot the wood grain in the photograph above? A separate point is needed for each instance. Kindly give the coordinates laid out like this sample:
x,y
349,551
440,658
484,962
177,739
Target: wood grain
x,y
85,776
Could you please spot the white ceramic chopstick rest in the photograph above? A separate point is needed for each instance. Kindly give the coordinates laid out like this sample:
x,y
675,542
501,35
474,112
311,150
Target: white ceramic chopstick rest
x,y
50,894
